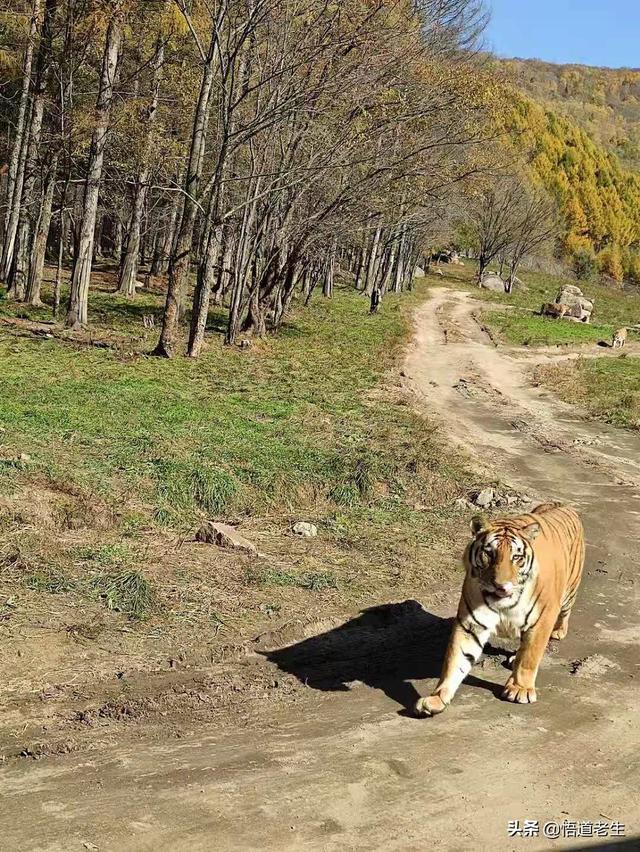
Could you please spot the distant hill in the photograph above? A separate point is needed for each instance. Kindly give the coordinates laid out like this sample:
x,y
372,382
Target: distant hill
x,y
579,130
604,102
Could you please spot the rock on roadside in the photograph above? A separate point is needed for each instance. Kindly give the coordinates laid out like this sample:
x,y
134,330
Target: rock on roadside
x,y
305,530
223,535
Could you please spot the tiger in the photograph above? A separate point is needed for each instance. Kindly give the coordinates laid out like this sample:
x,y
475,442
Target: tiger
x,y
554,309
522,578
619,338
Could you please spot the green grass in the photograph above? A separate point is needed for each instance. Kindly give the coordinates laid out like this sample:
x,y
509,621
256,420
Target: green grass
x,y
298,425
128,592
525,329
607,388
234,431
51,581
313,581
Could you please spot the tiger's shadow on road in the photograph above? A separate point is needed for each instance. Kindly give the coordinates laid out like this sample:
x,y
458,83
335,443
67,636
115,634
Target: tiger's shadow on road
x,y
385,647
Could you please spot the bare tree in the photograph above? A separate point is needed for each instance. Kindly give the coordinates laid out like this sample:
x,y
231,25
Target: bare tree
x,y
18,158
492,217
79,294
536,224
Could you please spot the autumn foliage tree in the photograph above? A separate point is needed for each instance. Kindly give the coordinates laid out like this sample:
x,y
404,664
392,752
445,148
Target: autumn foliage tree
x,y
248,149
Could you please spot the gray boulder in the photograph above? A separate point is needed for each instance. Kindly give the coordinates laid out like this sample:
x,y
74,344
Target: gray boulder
x,y
492,281
580,308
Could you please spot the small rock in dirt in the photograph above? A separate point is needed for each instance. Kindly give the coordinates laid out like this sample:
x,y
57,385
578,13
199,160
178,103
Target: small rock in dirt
x,y
223,535
91,846
462,503
305,530
25,458
485,498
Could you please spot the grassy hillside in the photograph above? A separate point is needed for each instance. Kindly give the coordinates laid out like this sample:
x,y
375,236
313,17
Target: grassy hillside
x,y
604,102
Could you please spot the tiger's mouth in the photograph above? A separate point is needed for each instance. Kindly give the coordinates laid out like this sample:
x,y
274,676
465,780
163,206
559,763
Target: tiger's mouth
x,y
499,597
500,593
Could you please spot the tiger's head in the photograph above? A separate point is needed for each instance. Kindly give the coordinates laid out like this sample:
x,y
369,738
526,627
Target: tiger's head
x,y
501,558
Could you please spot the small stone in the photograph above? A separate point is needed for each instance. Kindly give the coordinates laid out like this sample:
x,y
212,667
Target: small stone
x,y
25,458
224,535
305,530
484,498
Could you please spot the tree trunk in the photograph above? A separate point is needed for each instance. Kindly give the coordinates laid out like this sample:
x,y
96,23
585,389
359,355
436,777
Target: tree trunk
x,y
79,295
15,176
360,269
22,249
118,241
170,230
224,267
97,239
201,296
181,255
372,264
39,249
482,265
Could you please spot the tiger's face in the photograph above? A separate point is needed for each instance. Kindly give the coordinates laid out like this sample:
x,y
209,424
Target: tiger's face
x,y
501,559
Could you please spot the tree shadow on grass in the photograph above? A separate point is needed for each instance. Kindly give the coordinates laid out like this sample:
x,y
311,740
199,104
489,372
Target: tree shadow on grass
x,y
385,647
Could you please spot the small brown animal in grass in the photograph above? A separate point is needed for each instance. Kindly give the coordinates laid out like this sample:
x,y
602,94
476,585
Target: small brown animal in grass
x,y
522,579
619,338
553,309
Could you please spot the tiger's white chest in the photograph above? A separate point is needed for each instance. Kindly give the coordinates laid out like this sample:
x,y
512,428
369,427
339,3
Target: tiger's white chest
x,y
510,622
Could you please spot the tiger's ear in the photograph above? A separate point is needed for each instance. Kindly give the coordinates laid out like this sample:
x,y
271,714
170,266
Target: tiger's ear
x,y
479,524
532,531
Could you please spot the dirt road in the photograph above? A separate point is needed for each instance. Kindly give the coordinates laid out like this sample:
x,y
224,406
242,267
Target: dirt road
x,y
345,767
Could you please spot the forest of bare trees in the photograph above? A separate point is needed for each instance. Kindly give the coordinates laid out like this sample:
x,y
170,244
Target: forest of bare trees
x,y
241,152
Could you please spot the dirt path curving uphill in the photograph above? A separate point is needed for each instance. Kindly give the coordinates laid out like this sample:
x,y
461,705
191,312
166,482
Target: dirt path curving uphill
x,y
346,767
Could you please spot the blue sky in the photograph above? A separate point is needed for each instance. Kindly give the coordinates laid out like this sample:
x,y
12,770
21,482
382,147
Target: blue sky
x,y
589,32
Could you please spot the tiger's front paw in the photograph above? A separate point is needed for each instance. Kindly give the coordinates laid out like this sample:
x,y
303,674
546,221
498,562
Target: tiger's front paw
x,y
429,706
518,694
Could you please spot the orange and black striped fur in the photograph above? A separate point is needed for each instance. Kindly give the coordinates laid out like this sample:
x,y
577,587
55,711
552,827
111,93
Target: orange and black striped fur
x,y
522,579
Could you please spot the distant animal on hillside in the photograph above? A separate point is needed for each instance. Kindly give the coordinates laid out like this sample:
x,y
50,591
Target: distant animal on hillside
x,y
522,579
554,309
619,338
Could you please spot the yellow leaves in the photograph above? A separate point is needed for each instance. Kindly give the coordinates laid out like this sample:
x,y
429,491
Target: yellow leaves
x,y
609,262
600,201
9,64
172,22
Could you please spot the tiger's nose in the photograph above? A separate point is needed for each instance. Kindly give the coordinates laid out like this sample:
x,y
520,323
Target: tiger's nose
x,y
504,589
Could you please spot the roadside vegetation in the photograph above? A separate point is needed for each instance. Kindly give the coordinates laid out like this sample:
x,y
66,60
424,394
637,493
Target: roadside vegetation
x,y
607,388
111,459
